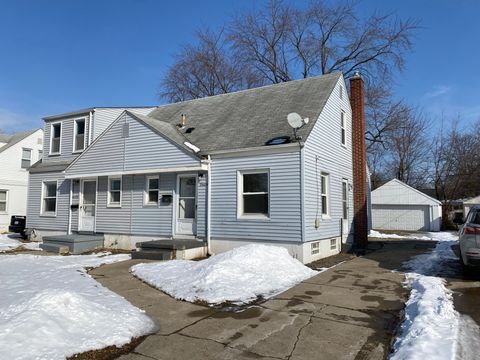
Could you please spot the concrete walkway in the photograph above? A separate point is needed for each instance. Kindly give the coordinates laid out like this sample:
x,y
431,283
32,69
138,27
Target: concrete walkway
x,y
348,312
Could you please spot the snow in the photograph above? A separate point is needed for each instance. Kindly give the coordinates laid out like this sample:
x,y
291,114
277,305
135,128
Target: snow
x,y
430,329
50,308
9,243
431,236
238,276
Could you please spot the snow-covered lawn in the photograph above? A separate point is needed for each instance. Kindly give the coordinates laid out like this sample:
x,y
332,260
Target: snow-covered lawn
x,y
239,276
432,236
50,308
9,242
431,326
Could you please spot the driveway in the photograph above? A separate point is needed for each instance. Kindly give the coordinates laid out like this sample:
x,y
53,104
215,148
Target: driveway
x,y
348,312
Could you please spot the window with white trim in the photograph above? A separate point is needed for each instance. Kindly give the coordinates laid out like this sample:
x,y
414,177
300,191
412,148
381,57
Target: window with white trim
x,y
3,201
115,191
315,248
324,184
79,135
55,138
333,244
26,158
151,191
49,198
253,191
343,128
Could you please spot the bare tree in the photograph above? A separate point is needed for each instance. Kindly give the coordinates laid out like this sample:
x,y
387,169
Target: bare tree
x,y
205,69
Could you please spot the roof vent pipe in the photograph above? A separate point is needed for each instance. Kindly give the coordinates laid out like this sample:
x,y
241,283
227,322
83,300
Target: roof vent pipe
x,y
183,122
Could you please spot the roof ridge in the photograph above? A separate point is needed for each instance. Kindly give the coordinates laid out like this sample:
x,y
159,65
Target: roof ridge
x,y
284,83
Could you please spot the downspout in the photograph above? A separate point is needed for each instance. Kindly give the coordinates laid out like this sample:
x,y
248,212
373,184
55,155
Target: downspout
x,y
209,201
69,230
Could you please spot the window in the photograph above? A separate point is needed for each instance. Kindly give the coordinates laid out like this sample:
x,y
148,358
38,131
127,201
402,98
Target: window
x,y
49,198
324,193
333,244
115,191
315,248
343,127
3,201
55,138
253,190
26,158
151,193
79,137
40,154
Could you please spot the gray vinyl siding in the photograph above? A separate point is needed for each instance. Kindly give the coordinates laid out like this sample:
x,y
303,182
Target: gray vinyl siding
x,y
133,217
142,149
105,116
34,219
66,146
284,223
324,153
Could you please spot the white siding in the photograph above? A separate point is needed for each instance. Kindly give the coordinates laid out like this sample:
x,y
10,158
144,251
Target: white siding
x,y
324,153
284,223
14,179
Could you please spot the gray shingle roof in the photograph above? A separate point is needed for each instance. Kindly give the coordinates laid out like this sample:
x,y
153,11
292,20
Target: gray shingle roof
x,y
251,117
41,167
14,138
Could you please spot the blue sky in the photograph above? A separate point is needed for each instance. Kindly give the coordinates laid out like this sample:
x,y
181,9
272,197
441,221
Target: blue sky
x,y
59,56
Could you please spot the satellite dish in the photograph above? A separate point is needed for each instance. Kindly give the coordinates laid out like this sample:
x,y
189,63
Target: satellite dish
x,y
295,120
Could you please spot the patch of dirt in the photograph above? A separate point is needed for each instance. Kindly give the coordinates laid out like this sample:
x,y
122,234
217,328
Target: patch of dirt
x,y
108,353
330,261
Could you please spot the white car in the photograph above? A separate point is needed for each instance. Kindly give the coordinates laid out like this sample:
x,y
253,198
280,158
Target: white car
x,y
469,238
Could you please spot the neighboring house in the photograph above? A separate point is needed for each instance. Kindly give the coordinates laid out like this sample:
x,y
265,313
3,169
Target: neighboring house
x,y
17,153
469,203
397,206
225,169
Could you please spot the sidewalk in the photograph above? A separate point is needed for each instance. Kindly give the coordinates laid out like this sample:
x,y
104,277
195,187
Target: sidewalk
x,y
348,312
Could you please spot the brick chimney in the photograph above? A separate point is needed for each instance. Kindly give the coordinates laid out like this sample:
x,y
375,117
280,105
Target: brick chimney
x,y
359,157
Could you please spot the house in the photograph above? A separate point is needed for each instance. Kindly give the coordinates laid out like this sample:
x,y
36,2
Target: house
x,y
17,153
226,170
469,203
397,206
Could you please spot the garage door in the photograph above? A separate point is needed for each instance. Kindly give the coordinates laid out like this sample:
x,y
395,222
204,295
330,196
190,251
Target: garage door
x,y
401,217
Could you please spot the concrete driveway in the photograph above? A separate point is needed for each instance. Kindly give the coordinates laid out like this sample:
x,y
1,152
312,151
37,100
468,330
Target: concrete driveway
x,y
348,312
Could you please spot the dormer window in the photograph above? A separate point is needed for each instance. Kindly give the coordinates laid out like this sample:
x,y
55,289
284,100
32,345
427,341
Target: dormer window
x,y
55,138
79,136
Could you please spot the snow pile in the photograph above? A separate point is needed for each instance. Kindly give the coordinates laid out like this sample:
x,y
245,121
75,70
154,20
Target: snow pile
x,y
238,276
50,308
8,243
431,325
431,236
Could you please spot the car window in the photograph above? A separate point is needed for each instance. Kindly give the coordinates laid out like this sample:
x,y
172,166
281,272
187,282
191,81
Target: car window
x,y
474,217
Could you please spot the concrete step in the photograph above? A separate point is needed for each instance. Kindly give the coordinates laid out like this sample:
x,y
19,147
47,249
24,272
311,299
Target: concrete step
x,y
151,254
55,248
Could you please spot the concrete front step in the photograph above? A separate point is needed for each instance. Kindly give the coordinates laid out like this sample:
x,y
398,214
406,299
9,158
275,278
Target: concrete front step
x,y
55,248
76,243
151,254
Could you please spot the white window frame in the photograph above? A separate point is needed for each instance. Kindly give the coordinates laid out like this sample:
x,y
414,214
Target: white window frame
x,y
343,129
315,248
25,159
75,129
240,194
48,213
333,244
147,191
109,197
6,201
325,193
51,138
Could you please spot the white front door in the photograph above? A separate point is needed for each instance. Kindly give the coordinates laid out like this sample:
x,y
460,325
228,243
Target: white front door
x,y
186,205
345,224
87,205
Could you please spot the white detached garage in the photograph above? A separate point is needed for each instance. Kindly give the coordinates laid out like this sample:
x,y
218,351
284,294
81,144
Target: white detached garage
x,y
397,206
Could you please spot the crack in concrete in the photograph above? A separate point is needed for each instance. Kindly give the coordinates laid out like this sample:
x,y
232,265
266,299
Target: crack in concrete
x,y
147,356
298,336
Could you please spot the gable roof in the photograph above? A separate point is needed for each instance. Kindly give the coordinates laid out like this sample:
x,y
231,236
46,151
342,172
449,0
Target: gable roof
x,y
397,198
249,118
14,138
